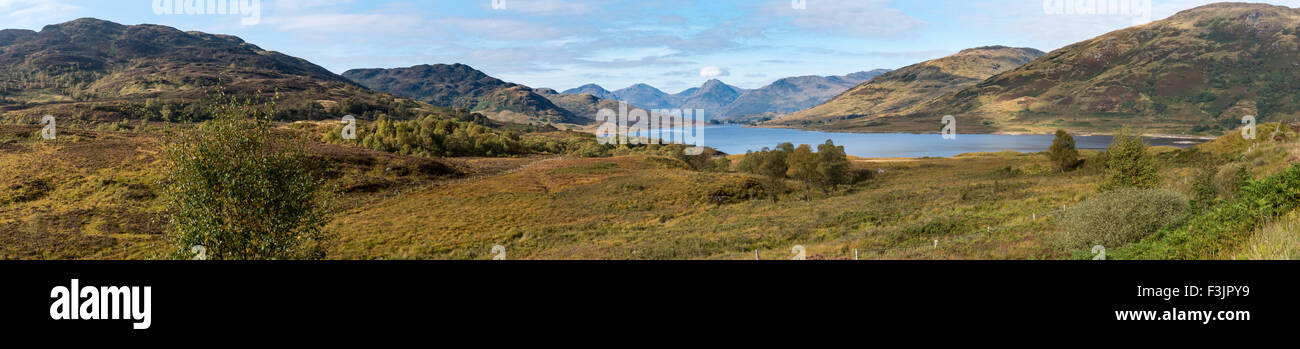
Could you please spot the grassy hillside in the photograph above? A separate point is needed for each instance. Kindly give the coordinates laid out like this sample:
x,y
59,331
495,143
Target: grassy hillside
x,y
902,91
1197,72
92,195
461,86
93,72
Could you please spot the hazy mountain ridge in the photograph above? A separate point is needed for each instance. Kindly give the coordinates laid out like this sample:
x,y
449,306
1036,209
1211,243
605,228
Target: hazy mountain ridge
x,y
796,93
722,101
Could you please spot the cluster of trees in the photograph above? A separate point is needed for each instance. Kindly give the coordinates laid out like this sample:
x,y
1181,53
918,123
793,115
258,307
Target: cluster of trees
x,y
1126,162
436,136
826,168
67,79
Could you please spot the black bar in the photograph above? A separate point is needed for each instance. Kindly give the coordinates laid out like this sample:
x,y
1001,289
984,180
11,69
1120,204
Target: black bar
x,y
447,298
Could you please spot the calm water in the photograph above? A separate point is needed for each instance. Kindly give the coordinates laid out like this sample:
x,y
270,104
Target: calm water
x,y
737,140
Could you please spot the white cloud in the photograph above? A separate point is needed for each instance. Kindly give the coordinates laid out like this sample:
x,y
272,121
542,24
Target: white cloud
x,y
343,23
550,7
856,17
505,29
34,14
713,72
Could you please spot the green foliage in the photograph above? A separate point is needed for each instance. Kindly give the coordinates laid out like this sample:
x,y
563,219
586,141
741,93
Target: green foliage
x,y
1120,217
1063,152
709,160
1128,165
1204,192
241,194
802,165
1220,229
833,165
827,168
438,135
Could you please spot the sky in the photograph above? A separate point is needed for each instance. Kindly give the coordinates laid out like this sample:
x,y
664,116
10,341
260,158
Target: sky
x,y
670,44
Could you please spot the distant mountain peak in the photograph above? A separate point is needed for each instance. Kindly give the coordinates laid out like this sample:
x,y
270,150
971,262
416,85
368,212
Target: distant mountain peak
x,y
592,89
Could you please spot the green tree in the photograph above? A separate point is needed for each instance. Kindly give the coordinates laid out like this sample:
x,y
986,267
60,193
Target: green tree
x,y
801,165
774,168
1063,152
1128,165
751,162
833,165
240,193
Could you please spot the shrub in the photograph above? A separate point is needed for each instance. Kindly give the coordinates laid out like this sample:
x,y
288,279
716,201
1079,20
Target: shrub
x,y
1228,223
833,165
1120,217
240,194
1128,165
1063,152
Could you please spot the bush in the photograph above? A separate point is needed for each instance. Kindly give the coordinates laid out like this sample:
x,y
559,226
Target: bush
x,y
1063,152
1222,228
1120,217
1128,165
237,192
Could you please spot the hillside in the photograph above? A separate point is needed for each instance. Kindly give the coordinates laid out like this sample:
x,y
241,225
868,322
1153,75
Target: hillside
x,y
714,97
901,91
591,89
98,199
583,105
461,86
93,71
1197,72
796,93
646,96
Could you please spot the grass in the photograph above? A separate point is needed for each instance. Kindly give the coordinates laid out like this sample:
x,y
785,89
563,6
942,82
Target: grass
x,y
628,208
1275,241
89,195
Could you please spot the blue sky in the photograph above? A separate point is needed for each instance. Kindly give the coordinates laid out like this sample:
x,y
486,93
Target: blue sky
x,y
671,44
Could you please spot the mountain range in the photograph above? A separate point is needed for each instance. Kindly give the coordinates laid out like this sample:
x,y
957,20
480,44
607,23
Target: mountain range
x,y
723,101
1199,71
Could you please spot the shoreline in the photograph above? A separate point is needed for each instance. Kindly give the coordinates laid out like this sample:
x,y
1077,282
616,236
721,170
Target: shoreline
x,y
1084,134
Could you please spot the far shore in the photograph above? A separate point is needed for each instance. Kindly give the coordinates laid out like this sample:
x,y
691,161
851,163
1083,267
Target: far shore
x,y
1148,135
